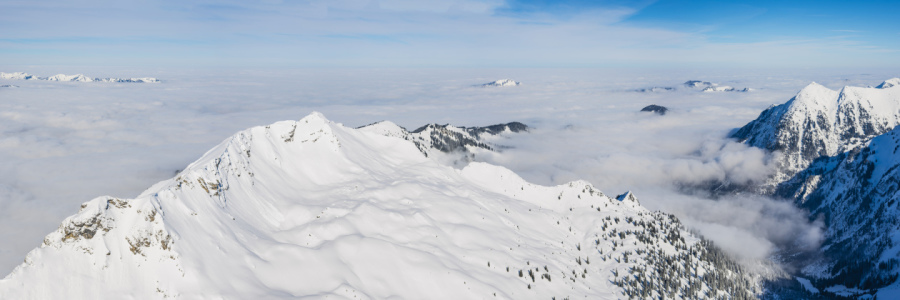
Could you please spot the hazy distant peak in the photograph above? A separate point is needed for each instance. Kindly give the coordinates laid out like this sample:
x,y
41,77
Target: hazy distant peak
x,y
74,78
502,82
723,88
658,109
17,76
698,83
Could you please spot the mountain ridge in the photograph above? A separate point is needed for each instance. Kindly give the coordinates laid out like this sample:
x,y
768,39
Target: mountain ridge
x,y
820,122
313,208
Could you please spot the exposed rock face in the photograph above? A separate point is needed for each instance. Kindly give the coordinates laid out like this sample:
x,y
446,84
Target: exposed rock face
x,y
660,110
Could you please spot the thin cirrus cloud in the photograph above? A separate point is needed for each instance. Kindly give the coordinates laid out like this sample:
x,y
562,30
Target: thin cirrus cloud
x,y
429,33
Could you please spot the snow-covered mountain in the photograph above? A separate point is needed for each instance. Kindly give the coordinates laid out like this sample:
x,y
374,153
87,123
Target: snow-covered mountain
x,y
17,76
889,83
432,139
707,86
703,86
74,78
840,162
857,194
64,77
655,89
820,122
311,208
725,88
502,82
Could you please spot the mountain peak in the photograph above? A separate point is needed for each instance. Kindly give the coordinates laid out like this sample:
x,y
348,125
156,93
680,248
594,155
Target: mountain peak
x,y
75,78
819,121
386,128
315,117
889,83
815,93
17,76
502,82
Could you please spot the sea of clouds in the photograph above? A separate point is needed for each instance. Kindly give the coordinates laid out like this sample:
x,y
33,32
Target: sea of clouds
x,y
63,143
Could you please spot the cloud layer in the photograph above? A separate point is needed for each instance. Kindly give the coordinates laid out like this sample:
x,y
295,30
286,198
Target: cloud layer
x,y
65,142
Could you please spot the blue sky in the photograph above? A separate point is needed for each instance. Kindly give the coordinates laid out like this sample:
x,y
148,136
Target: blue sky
x,y
458,33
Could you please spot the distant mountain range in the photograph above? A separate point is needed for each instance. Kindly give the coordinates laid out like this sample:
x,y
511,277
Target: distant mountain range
x,y
704,86
74,78
501,83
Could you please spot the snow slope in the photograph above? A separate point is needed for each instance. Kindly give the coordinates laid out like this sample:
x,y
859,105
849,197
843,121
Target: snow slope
x,y
857,194
889,83
822,122
435,140
311,208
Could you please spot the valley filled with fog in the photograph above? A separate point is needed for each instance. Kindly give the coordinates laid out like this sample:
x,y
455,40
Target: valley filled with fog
x,y
68,142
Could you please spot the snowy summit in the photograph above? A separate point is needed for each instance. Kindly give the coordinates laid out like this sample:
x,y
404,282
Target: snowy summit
x,y
819,121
